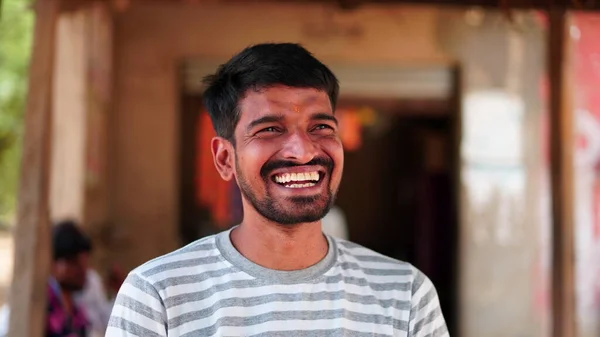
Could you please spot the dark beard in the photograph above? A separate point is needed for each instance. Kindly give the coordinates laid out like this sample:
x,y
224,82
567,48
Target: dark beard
x,y
270,210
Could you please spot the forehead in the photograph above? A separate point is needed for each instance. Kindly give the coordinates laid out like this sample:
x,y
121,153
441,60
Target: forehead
x,y
284,100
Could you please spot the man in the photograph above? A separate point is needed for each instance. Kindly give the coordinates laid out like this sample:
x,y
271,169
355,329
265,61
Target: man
x,y
65,317
276,274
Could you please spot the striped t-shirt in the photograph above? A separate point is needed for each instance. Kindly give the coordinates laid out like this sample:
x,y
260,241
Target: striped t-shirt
x,y
209,289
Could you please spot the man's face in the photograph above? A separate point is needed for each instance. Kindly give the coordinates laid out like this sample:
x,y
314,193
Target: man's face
x,y
288,157
70,273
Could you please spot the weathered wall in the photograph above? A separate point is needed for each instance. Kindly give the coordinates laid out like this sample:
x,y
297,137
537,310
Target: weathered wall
x,y
585,70
502,278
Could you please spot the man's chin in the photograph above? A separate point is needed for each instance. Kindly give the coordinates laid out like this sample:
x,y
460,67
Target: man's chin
x,y
298,213
295,220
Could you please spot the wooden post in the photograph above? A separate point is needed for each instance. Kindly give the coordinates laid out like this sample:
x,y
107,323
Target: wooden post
x,y
32,237
561,152
99,81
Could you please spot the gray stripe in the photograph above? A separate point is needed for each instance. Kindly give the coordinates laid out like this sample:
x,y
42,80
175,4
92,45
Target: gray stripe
x,y
388,286
435,313
298,315
204,244
439,332
138,282
349,266
299,297
320,333
387,272
374,271
248,284
417,282
140,308
132,328
199,246
182,264
426,299
378,258
196,278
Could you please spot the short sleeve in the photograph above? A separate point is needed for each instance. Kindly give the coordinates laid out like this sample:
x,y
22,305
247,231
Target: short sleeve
x,y
138,310
426,318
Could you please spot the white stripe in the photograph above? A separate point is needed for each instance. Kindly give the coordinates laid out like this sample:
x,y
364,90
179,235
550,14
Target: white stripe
x,y
181,289
139,319
111,331
312,325
387,265
366,309
290,289
426,286
176,258
431,327
186,271
370,278
179,252
141,296
293,325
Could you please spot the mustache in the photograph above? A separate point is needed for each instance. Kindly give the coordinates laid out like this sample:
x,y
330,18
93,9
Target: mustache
x,y
278,164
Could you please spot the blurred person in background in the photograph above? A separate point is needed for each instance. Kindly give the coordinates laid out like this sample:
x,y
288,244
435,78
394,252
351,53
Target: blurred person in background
x,y
65,316
77,301
93,297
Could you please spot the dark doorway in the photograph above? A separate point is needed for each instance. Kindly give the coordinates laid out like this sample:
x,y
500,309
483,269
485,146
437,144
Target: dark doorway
x,y
398,190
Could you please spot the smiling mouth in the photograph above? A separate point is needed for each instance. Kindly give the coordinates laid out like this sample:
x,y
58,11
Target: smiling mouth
x,y
298,180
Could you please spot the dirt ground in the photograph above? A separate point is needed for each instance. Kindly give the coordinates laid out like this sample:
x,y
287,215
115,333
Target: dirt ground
x,y
6,264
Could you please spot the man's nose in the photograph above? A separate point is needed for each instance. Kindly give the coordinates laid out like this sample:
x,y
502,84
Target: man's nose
x,y
299,148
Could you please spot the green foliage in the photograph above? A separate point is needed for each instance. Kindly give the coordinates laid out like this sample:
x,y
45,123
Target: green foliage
x,y
16,31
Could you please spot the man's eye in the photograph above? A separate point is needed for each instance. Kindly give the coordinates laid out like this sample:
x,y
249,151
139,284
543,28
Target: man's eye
x,y
323,127
270,129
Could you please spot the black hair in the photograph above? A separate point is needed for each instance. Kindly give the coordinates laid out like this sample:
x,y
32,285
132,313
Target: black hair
x,y
259,67
68,240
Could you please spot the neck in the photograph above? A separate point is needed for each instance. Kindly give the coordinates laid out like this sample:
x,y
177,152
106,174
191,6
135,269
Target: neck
x,y
280,247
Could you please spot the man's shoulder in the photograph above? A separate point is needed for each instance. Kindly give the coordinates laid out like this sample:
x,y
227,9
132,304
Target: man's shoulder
x,y
373,261
184,261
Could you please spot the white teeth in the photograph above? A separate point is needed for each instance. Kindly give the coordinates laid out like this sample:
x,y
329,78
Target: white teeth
x,y
297,177
300,185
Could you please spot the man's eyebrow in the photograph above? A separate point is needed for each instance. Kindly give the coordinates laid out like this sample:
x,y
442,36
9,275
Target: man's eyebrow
x,y
264,120
324,116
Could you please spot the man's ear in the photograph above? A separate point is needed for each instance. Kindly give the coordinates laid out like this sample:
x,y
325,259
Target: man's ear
x,y
223,156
